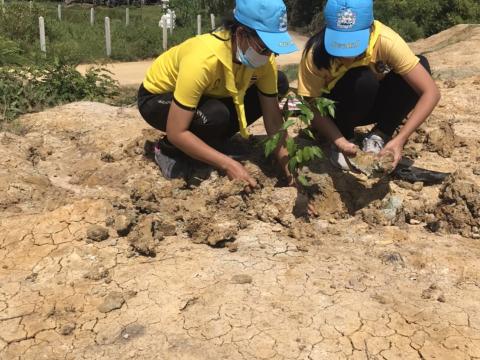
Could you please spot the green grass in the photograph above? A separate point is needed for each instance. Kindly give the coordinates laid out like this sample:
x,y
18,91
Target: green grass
x,y
73,40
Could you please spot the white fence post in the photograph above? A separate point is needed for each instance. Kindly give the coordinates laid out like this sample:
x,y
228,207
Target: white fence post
x,y
127,17
108,40
92,16
41,25
165,33
199,24
212,20
59,12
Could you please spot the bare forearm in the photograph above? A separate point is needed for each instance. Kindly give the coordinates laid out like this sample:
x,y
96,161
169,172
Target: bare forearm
x,y
327,128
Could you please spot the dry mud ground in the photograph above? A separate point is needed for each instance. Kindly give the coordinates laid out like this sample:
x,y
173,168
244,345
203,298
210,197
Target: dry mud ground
x,y
100,258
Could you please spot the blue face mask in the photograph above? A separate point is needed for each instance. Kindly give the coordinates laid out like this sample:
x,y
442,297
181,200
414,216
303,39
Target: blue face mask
x,y
251,58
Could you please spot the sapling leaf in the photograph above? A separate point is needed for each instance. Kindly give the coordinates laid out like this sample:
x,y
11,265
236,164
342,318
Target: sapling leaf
x,y
331,110
292,165
272,144
287,124
291,146
306,154
303,119
299,156
309,133
303,180
305,109
316,151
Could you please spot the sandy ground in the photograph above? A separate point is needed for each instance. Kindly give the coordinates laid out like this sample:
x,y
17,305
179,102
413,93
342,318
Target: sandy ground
x,y
101,258
133,73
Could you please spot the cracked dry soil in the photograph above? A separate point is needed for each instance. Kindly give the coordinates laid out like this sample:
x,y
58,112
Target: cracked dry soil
x,y
101,258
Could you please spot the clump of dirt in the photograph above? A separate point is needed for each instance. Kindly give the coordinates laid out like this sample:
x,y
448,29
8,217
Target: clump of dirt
x,y
459,208
280,205
150,230
388,211
222,207
212,228
441,140
371,164
97,233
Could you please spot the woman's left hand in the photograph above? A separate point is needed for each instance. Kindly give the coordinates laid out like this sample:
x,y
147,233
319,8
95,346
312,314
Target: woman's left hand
x,y
395,147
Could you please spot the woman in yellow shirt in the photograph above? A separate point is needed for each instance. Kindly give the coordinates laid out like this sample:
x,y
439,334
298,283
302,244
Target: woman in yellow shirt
x,y
208,88
372,75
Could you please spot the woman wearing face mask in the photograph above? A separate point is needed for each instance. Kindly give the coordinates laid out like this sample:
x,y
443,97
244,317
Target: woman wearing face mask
x,y
212,86
372,75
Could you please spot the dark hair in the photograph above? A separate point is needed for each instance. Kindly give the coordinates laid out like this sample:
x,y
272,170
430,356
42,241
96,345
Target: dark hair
x,y
321,58
231,25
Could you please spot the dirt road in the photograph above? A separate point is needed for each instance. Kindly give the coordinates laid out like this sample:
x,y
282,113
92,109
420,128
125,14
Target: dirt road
x,y
132,73
102,258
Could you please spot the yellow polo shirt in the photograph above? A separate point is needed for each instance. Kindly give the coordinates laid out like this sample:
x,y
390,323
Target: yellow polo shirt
x,y
386,51
203,65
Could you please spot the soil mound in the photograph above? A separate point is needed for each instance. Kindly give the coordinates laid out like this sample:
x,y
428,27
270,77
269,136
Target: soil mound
x,y
459,208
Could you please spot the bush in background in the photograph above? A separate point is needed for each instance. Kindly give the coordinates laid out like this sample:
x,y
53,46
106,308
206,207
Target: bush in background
x,y
28,89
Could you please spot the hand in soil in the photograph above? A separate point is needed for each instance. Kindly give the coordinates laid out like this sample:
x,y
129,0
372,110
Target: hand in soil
x,y
371,164
394,147
235,170
346,147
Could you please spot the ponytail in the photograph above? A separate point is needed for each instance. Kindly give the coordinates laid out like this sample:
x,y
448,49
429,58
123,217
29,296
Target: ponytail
x,y
321,58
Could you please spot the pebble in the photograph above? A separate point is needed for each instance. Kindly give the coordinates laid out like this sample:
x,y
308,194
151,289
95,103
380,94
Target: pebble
x,y
97,233
67,329
123,225
414,222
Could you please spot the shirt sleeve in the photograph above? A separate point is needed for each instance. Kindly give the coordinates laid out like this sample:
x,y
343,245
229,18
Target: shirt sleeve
x,y
398,54
267,78
311,81
194,76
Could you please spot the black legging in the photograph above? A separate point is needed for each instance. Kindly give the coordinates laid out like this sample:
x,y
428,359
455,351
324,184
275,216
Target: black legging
x,y
362,99
214,121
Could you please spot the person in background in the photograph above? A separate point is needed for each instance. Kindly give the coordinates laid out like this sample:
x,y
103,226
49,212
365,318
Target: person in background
x,y
372,75
208,88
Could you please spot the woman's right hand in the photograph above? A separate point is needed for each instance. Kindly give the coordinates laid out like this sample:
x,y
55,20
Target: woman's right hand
x,y
235,170
346,147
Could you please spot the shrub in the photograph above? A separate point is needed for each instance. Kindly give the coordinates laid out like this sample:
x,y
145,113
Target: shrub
x,y
27,89
10,52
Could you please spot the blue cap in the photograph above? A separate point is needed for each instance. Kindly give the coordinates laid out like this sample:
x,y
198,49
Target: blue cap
x,y
269,19
348,26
